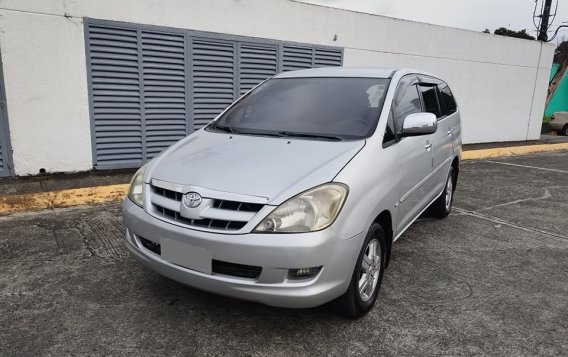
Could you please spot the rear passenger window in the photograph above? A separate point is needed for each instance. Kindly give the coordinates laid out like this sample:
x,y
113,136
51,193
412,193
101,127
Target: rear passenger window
x,y
430,98
447,99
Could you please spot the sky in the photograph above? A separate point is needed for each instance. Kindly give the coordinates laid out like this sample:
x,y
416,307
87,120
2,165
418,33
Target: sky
x,y
474,15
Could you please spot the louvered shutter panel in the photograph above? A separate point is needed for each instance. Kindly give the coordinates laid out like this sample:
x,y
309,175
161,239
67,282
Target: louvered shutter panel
x,y
116,105
295,57
146,86
327,58
213,79
164,83
256,63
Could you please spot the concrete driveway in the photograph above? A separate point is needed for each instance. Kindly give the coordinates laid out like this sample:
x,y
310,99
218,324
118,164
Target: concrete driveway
x,y
491,279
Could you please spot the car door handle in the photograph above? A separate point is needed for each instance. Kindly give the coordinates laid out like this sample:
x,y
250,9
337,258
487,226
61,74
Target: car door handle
x,y
428,146
450,133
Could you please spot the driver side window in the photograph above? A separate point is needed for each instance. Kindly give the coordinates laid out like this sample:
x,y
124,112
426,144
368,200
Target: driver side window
x,y
406,101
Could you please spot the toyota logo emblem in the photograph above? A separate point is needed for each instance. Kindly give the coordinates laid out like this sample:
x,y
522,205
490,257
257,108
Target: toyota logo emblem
x,y
192,199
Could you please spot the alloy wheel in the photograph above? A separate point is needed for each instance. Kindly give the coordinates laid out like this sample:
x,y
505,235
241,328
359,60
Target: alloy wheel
x,y
449,193
370,270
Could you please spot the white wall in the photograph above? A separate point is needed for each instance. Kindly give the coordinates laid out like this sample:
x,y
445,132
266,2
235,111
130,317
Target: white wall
x,y
500,82
44,74
495,99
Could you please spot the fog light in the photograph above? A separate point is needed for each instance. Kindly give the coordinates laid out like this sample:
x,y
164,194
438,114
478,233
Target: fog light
x,y
303,273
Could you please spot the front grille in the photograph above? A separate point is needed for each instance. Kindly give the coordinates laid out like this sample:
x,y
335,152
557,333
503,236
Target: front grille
x,y
219,204
206,222
238,270
167,193
223,208
151,246
237,206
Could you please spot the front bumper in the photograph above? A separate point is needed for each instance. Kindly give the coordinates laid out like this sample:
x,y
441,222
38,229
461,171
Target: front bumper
x,y
275,253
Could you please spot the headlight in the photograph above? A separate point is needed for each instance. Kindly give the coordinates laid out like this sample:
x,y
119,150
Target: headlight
x,y
136,190
309,211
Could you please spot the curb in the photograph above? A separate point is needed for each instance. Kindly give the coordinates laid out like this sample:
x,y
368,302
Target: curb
x,y
512,151
109,193
63,198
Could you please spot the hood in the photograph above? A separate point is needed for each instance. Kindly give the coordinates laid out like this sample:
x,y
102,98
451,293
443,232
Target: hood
x,y
273,168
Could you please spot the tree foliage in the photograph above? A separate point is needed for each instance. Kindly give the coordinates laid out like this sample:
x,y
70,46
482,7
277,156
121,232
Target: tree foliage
x,y
560,57
561,53
502,31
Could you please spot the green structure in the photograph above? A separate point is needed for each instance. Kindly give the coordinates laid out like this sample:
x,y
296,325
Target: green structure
x,y
559,101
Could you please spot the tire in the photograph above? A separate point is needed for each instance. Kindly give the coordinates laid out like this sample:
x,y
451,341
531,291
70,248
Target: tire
x,y
443,205
357,302
564,130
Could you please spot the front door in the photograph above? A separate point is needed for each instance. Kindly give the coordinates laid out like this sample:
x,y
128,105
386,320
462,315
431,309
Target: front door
x,y
414,156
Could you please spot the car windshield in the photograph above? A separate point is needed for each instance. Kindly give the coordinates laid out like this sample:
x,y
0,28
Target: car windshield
x,y
315,108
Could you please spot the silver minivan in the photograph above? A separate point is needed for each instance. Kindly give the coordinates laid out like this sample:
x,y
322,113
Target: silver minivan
x,y
295,194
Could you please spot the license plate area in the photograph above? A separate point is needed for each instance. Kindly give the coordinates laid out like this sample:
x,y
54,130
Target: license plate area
x,y
186,255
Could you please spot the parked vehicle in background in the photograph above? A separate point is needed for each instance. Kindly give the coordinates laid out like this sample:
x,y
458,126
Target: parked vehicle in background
x,y
559,123
294,195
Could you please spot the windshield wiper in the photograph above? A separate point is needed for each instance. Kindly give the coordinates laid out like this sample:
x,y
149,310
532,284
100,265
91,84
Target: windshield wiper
x,y
231,130
307,135
278,134
228,129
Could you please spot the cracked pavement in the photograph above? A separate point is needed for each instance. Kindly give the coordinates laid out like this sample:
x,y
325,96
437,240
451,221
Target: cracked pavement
x,y
491,279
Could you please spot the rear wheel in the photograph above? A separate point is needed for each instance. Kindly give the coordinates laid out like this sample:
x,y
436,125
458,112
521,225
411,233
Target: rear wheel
x,y
367,276
443,205
564,130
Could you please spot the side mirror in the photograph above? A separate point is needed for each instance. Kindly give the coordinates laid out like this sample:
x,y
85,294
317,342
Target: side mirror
x,y
419,124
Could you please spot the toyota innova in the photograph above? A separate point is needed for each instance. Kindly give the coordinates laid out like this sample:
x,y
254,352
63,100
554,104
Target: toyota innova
x,y
295,194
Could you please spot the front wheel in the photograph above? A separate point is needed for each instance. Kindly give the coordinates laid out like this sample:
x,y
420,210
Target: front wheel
x,y
564,130
367,275
443,205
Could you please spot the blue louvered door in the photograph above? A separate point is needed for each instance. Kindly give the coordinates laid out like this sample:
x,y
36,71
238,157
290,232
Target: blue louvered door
x,y
138,94
164,81
256,63
116,100
151,87
213,78
327,57
295,58
298,57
